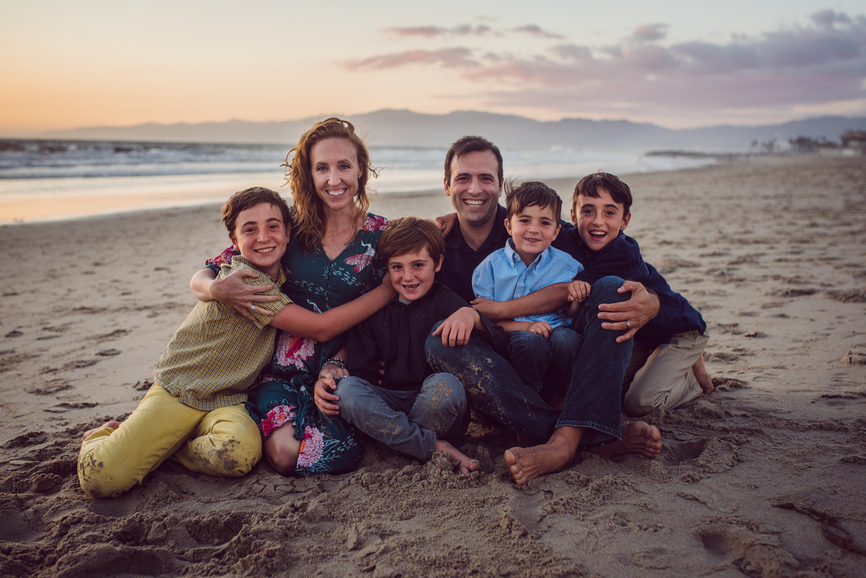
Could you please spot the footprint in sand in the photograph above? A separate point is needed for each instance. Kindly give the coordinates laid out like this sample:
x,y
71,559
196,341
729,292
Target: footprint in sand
x,y
752,548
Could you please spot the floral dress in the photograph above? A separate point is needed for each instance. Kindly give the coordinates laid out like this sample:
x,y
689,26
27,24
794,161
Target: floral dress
x,y
328,444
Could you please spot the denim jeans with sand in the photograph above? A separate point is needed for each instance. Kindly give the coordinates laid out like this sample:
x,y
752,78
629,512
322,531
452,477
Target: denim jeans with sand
x,y
544,364
408,422
592,401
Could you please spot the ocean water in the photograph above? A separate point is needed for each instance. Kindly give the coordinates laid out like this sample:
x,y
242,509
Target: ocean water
x,y
172,174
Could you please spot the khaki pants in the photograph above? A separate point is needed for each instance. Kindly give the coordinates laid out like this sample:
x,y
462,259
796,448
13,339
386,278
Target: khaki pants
x,y
223,442
662,377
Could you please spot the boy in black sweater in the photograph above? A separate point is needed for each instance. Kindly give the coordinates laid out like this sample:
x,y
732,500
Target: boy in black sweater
x,y
415,412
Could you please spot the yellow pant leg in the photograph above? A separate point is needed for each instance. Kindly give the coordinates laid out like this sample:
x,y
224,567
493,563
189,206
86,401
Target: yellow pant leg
x,y
227,443
112,461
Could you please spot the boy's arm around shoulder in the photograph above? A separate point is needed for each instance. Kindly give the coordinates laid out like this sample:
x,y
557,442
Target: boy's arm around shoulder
x,y
230,289
264,311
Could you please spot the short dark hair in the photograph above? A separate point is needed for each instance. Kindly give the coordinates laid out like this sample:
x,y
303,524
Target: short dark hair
x,y
588,187
471,144
532,194
410,235
249,198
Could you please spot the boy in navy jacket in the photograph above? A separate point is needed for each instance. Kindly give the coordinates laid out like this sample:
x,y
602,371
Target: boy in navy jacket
x,y
666,368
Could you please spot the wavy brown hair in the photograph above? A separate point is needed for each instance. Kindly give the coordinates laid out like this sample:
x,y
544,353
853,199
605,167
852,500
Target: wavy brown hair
x,y
308,223
410,235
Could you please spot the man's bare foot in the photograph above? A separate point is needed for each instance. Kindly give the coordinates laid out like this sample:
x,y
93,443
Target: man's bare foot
x,y
700,371
529,463
112,424
466,463
637,438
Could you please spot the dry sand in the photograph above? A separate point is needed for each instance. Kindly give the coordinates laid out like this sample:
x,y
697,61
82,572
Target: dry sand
x,y
764,477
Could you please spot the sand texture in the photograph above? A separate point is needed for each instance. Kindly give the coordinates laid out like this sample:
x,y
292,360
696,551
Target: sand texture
x,y
764,477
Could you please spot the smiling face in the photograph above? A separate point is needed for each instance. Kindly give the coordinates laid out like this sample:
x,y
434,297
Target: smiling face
x,y
532,230
412,274
335,170
474,188
598,220
261,237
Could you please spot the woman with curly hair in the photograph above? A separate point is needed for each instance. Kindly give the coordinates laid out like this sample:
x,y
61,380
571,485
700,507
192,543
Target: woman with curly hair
x,y
330,262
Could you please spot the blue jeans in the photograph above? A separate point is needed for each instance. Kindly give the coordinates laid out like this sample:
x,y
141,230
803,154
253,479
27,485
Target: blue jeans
x,y
544,364
408,421
592,400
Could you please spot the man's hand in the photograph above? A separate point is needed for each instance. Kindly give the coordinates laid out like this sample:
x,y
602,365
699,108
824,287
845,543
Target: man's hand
x,y
232,291
324,396
446,223
631,315
457,329
542,328
578,291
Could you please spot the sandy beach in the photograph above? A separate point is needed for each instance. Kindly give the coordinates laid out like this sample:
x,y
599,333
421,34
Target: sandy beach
x,y
764,477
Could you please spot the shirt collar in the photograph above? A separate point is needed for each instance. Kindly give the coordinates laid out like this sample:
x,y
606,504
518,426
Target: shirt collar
x,y
455,239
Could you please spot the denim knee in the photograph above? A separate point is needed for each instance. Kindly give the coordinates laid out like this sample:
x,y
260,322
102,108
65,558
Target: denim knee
x,y
605,291
350,390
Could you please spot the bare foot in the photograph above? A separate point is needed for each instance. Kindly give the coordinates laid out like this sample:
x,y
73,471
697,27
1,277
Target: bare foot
x,y
466,464
702,376
637,438
112,424
529,463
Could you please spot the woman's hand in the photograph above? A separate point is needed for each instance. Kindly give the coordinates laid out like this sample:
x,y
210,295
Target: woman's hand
x,y
232,291
323,394
333,371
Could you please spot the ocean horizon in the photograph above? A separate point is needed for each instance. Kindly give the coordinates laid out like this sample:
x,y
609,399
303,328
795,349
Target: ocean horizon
x,y
73,178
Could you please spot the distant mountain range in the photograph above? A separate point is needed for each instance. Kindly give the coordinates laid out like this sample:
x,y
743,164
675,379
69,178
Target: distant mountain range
x,y
404,128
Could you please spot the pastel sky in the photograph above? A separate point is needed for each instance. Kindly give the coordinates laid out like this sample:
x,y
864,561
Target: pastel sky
x,y
66,64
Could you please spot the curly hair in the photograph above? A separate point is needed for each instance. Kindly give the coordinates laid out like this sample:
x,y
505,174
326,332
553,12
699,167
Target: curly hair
x,y
309,225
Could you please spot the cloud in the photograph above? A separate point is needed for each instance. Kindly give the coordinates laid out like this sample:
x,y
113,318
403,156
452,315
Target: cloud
x,y
651,32
821,62
536,31
445,57
436,31
827,18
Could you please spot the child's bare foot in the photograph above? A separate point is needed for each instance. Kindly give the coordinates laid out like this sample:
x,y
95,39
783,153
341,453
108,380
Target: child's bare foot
x,y
529,463
112,424
466,463
637,438
700,371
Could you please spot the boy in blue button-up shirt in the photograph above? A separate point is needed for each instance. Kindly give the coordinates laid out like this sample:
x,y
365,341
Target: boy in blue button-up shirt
x,y
541,348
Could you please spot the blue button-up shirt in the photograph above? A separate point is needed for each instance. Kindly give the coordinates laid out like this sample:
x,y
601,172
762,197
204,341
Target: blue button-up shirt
x,y
502,276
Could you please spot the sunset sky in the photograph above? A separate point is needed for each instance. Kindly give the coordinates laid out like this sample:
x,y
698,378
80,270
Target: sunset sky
x,y
675,63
